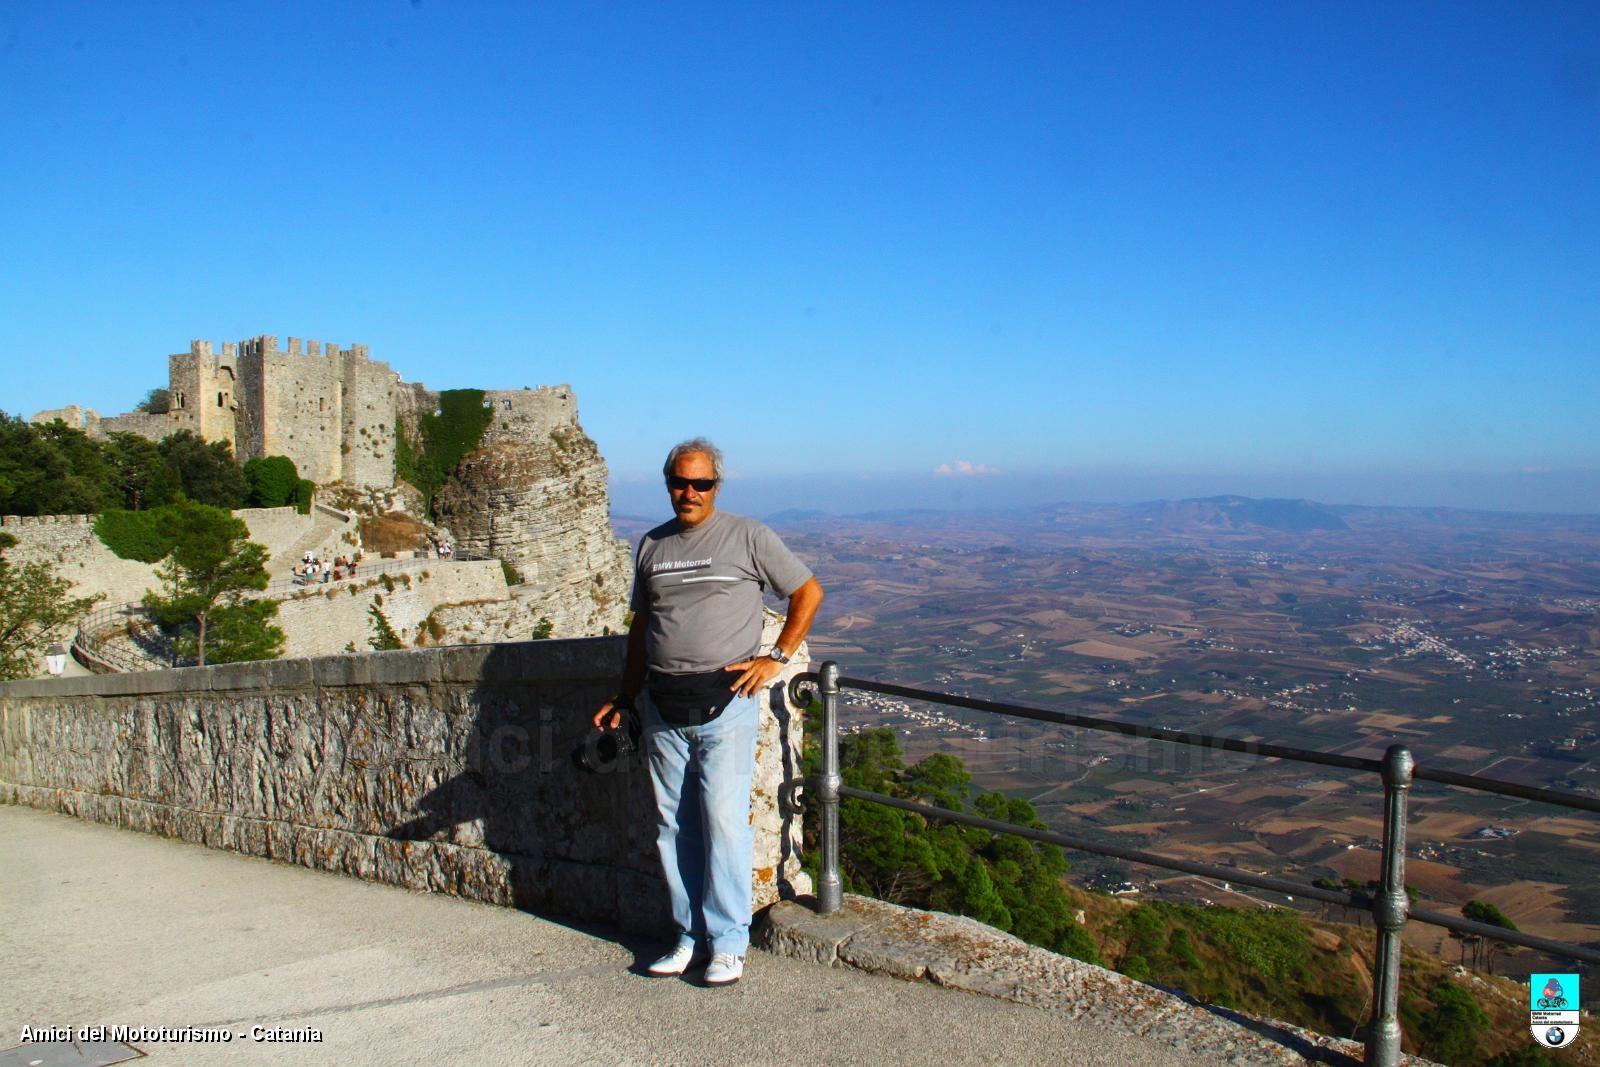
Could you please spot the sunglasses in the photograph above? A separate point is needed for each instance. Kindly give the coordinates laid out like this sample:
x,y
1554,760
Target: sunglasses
x,y
701,485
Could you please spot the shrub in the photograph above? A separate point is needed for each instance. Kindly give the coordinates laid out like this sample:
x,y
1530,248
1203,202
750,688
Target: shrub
x,y
133,534
383,638
274,481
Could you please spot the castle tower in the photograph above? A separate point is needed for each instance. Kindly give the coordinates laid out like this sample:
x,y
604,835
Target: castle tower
x,y
204,393
291,407
368,391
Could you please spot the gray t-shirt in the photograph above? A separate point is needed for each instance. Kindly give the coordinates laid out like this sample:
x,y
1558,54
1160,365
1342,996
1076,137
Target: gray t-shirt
x,y
703,586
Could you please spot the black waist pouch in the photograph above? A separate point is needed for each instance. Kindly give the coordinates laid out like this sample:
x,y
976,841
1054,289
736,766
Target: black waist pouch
x,y
691,699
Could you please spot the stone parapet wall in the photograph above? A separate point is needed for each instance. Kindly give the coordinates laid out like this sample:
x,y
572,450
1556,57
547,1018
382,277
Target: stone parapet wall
x,y
275,529
154,427
445,770
322,618
529,414
69,545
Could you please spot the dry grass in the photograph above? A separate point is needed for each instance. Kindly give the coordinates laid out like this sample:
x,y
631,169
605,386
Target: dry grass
x,y
393,532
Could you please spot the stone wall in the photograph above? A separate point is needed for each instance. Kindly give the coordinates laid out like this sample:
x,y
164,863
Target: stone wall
x,y
154,427
73,415
69,545
444,770
276,529
322,619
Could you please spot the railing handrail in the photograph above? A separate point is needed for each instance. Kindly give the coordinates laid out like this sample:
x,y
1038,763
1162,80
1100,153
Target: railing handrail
x,y
1198,739
1389,905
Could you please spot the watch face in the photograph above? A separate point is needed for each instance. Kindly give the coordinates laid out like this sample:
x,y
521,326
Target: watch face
x,y
777,654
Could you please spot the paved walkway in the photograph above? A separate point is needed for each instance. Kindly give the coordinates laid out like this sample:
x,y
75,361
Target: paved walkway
x,y
107,927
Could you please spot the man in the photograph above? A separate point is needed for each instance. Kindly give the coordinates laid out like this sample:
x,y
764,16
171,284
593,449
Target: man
x,y
695,669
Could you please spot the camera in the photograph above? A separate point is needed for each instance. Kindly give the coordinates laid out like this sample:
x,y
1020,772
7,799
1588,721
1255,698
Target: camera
x,y
603,751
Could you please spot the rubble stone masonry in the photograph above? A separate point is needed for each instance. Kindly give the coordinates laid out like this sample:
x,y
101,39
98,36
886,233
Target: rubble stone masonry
x,y
444,770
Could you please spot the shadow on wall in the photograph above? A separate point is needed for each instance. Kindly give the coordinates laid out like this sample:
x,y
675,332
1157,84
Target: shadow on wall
x,y
567,841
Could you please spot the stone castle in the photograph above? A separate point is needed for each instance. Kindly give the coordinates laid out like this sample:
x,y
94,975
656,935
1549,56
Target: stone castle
x,y
332,411
533,493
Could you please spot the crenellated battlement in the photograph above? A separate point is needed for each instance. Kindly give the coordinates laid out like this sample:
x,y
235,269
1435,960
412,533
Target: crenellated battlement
x,y
332,410
25,522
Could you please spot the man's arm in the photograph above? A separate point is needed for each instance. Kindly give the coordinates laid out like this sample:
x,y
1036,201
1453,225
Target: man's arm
x,y
632,673
756,673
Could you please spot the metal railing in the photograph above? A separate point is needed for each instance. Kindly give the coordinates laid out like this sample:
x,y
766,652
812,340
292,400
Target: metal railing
x,y
90,648
1389,905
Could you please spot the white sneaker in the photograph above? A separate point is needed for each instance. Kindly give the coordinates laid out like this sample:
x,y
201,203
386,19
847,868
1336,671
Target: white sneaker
x,y
677,961
725,969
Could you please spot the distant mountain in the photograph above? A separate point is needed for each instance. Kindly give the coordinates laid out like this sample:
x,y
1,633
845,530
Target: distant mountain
x,y
793,516
1238,512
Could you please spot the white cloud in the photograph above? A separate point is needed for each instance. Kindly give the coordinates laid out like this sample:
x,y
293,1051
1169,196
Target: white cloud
x,y
963,468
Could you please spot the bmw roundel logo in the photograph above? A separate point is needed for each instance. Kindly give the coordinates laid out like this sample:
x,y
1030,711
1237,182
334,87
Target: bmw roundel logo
x,y
1555,1035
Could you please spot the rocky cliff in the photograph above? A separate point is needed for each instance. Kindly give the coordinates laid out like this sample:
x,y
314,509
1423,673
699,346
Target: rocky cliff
x,y
534,494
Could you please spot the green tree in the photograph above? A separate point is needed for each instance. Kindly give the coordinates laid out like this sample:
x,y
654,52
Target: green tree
x,y
1449,1032
941,780
383,638
139,473
242,630
206,469
1483,949
210,569
273,481
30,470
899,856
35,610
1484,912
157,401
87,483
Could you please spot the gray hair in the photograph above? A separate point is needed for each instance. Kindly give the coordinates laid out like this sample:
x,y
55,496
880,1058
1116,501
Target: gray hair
x,y
694,444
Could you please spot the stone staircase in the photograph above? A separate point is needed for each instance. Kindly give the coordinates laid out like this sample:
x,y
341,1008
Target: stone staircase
x,y
324,539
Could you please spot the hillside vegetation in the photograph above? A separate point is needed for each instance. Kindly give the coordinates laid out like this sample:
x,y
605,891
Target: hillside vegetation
x,y
443,438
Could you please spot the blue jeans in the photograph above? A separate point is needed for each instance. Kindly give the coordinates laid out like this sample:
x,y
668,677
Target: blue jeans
x,y
701,777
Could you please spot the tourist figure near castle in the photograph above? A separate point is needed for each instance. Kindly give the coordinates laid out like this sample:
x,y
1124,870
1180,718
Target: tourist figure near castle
x,y
694,671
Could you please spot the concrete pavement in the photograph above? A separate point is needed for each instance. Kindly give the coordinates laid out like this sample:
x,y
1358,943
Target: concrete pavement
x,y
100,926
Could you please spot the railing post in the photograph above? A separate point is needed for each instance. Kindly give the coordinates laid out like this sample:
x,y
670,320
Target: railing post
x,y
830,887
1389,910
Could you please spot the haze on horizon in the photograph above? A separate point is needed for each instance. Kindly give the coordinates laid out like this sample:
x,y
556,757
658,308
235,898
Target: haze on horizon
x,y
952,256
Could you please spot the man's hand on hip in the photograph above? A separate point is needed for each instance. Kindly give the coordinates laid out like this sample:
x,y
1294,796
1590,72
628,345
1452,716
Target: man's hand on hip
x,y
757,673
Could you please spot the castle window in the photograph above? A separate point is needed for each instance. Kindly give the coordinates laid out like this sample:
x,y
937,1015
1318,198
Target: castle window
x,y
322,403
507,404
219,400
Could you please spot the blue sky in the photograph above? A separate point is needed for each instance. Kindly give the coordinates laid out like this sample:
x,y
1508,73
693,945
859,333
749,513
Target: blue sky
x,y
1061,251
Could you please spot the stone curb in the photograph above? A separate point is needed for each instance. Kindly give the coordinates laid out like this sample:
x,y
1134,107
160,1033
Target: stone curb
x,y
961,953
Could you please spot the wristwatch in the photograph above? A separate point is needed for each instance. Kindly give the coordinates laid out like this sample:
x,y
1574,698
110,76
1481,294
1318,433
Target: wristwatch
x,y
777,655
